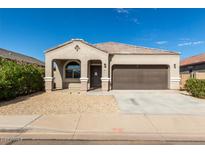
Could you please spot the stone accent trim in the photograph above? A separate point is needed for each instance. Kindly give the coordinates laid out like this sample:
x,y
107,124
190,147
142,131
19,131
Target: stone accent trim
x,y
175,79
84,84
83,79
105,79
105,83
48,78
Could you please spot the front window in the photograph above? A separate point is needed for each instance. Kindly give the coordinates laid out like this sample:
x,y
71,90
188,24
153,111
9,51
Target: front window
x,y
72,70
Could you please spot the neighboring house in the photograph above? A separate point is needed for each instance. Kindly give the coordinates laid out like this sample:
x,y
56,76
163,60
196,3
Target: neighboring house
x,y
110,65
192,67
14,56
193,64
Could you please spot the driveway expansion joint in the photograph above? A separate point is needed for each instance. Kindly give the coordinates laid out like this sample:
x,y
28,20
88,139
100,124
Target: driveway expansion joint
x,y
22,130
157,131
76,127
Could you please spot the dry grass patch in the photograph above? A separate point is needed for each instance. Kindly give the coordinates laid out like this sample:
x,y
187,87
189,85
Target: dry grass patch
x,y
59,102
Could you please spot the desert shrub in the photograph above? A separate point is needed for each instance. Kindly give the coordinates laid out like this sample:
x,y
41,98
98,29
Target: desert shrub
x,y
196,87
19,79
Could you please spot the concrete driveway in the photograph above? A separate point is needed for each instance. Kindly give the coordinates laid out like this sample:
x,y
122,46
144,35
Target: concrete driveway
x,y
158,102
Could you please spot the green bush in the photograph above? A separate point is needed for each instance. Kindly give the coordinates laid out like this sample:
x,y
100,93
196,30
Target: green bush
x,y
196,87
19,79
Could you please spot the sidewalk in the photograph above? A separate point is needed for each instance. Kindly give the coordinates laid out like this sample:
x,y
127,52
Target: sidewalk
x,y
104,127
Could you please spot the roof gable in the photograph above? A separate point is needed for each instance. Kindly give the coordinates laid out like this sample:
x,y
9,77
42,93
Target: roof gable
x,y
71,41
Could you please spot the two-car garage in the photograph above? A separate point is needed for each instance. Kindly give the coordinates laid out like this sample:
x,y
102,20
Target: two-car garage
x,y
142,77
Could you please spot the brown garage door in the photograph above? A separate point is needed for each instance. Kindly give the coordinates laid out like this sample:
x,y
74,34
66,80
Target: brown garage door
x,y
140,77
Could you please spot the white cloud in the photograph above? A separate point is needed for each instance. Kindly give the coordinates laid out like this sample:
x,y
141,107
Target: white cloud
x,y
185,44
135,20
198,42
121,10
127,13
184,39
190,43
161,42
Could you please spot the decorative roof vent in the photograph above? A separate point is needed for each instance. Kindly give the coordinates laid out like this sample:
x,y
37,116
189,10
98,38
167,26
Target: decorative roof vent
x,y
77,47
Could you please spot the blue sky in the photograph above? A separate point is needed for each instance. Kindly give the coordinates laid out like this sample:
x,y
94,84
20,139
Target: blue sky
x,y
32,31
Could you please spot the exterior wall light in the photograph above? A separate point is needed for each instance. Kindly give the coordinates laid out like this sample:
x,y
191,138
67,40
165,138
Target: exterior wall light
x,y
104,65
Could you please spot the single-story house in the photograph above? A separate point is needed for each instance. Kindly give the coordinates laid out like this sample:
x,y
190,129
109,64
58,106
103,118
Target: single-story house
x,y
192,67
18,57
193,64
85,66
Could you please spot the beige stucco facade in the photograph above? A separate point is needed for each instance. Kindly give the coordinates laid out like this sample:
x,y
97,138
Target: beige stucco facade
x,y
172,61
60,56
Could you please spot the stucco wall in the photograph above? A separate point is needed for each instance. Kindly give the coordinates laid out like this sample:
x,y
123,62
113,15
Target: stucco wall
x,y
199,75
84,54
68,52
186,76
169,60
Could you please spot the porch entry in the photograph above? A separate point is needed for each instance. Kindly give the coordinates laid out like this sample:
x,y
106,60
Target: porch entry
x,y
95,75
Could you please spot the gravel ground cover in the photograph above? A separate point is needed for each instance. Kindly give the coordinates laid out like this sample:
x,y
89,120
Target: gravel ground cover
x,y
59,102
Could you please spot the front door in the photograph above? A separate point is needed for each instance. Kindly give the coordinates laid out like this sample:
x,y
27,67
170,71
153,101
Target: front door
x,y
95,76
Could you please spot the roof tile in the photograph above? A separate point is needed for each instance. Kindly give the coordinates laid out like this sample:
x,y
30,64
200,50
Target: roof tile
x,y
193,60
19,57
120,48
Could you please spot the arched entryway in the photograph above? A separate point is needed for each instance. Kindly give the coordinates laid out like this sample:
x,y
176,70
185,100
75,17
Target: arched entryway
x,y
72,74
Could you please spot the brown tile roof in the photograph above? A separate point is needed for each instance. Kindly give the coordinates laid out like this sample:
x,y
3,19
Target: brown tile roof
x,y
19,57
120,48
193,60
